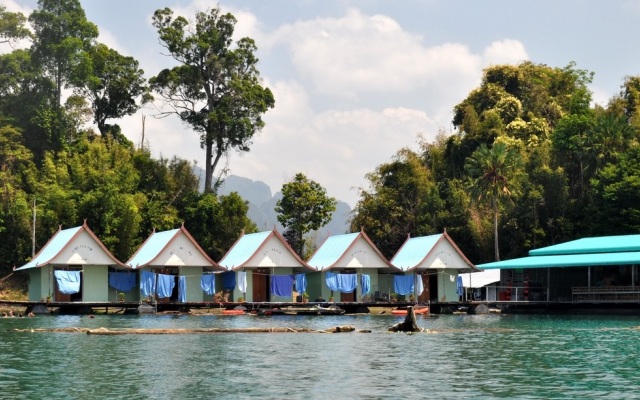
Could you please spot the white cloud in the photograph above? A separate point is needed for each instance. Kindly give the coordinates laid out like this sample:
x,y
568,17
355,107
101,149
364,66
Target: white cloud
x,y
389,87
336,148
359,53
506,51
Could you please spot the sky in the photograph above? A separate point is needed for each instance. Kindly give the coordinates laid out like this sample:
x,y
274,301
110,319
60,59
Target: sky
x,y
356,81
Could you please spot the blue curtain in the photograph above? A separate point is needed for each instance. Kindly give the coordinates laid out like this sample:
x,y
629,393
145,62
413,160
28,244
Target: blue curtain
x,y
403,284
332,281
122,281
282,285
182,289
208,283
347,282
301,283
147,283
459,287
166,283
68,281
229,280
366,284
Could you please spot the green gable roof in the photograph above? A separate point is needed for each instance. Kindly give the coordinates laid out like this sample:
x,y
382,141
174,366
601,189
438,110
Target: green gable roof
x,y
566,260
602,244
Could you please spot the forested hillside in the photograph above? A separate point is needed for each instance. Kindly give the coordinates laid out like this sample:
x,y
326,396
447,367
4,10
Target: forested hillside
x,y
532,162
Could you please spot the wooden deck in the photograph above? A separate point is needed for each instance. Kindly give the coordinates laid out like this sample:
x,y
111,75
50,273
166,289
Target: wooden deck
x,y
612,301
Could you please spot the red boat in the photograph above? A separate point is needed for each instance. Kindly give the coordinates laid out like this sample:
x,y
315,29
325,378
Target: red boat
x,y
233,312
417,310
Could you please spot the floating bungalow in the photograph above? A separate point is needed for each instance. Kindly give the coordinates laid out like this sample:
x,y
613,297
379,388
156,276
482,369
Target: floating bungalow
x,y
264,268
589,270
174,268
432,265
74,266
353,268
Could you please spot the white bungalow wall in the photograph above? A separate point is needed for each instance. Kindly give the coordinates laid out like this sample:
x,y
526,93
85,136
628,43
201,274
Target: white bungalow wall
x,y
443,256
84,250
181,252
360,255
273,253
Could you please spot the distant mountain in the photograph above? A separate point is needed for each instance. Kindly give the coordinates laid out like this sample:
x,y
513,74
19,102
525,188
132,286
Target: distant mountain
x,y
262,207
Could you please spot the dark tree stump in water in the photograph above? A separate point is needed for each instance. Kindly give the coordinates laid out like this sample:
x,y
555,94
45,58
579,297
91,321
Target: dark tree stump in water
x,y
409,324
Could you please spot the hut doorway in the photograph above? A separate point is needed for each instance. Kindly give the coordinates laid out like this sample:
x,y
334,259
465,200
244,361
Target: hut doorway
x,y
425,296
350,296
261,284
65,298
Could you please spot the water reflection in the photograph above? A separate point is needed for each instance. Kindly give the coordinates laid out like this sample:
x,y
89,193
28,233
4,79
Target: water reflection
x,y
463,357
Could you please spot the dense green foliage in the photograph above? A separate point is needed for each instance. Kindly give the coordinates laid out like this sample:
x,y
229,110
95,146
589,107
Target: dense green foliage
x,y
68,174
550,166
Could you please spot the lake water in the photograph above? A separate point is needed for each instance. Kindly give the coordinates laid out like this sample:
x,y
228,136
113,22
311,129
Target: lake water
x,y
463,357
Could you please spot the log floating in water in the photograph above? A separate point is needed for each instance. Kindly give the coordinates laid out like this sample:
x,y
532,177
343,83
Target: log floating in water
x,y
145,331
408,325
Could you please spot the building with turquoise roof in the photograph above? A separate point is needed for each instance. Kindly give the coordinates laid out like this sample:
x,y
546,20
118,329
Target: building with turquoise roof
x,y
178,265
435,261
74,266
589,270
265,268
351,269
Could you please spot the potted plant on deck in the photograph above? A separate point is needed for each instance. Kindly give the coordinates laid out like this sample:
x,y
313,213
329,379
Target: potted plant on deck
x,y
121,296
305,297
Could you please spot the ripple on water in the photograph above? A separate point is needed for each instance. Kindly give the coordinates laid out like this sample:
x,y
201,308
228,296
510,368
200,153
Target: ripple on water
x,y
463,357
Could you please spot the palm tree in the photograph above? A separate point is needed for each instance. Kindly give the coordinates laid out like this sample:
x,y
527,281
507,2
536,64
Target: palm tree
x,y
492,171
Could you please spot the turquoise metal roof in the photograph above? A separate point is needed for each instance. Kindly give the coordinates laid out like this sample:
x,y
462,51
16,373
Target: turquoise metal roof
x,y
331,250
52,248
243,249
603,244
151,248
567,260
413,251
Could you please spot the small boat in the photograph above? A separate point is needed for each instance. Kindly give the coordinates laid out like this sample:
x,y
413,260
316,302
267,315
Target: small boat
x,y
233,312
417,310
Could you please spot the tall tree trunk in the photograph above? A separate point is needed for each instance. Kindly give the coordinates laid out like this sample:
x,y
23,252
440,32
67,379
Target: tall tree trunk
x,y
208,170
494,204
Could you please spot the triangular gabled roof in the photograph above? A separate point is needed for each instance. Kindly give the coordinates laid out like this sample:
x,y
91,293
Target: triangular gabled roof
x,y
171,248
351,250
262,249
431,252
73,246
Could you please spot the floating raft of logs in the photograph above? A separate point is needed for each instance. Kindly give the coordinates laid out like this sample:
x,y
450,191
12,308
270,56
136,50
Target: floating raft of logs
x,y
156,331
408,325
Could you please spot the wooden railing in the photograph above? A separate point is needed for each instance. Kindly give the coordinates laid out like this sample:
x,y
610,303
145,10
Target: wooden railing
x,y
604,294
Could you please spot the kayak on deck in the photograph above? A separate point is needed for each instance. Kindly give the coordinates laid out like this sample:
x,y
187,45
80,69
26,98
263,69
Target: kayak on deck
x,y
417,310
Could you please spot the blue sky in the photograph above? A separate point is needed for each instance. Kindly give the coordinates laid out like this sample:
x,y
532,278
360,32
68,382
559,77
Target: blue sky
x,y
355,81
